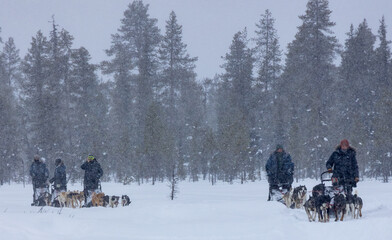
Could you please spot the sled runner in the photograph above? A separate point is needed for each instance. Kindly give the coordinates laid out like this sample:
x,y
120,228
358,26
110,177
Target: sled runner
x,y
278,192
44,197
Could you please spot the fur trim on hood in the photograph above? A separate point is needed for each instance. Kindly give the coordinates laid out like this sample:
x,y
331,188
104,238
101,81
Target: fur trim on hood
x,y
349,148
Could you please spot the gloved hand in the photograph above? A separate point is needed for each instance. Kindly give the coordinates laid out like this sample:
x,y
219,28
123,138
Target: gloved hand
x,y
356,179
329,170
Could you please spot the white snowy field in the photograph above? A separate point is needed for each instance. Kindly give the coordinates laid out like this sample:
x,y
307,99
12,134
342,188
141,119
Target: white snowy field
x,y
201,211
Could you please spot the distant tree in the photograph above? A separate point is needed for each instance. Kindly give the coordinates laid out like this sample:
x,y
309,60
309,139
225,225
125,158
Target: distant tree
x,y
36,71
12,62
89,111
8,149
134,65
54,92
234,117
158,143
267,52
122,115
309,68
358,72
174,180
13,149
268,123
383,106
176,86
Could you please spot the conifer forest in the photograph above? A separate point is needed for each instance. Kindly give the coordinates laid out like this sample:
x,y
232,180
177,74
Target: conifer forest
x,y
155,120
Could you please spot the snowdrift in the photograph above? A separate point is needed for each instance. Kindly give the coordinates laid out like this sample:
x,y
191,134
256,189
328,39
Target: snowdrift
x,y
200,211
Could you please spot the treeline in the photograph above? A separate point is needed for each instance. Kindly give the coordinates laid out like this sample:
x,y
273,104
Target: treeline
x,y
154,120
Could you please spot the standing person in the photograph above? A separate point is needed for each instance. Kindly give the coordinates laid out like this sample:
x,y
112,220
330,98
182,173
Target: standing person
x,y
39,174
280,170
93,172
59,181
343,164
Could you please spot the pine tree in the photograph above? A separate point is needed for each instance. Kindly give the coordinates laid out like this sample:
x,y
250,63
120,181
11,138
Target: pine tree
x,y
13,149
12,62
383,106
177,78
158,143
54,89
309,65
268,62
36,70
122,116
134,50
64,65
89,111
358,73
6,121
268,54
234,118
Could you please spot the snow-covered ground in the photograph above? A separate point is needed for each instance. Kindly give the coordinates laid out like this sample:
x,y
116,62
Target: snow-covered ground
x,y
200,211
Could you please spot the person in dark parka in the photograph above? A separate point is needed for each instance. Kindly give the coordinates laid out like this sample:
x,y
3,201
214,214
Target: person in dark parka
x,y
280,170
343,164
59,180
93,172
39,174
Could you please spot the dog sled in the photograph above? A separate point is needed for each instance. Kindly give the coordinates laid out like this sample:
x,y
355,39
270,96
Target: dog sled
x,y
322,189
42,196
330,191
278,192
334,200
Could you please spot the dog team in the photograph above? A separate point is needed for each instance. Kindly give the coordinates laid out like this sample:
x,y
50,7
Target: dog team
x,y
60,197
338,198
76,199
320,205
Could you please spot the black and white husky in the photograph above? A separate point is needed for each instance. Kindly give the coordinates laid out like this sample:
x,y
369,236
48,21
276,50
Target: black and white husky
x,y
125,201
299,196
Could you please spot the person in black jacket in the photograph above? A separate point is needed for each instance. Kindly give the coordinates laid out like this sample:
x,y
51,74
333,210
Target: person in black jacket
x,y
280,170
93,172
343,164
59,181
39,174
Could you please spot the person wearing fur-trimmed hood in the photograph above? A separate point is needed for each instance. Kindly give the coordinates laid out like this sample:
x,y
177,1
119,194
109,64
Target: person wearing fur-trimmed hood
x,y
344,166
39,174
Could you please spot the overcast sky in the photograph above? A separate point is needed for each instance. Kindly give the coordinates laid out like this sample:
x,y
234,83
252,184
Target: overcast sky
x,y
208,25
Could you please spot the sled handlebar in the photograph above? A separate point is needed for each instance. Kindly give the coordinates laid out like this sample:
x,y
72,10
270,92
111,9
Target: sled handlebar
x,y
325,180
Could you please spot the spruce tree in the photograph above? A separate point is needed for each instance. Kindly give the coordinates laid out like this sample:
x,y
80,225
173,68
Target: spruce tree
x,y
358,74
383,106
177,80
234,119
36,70
306,77
13,148
134,65
266,89
12,62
